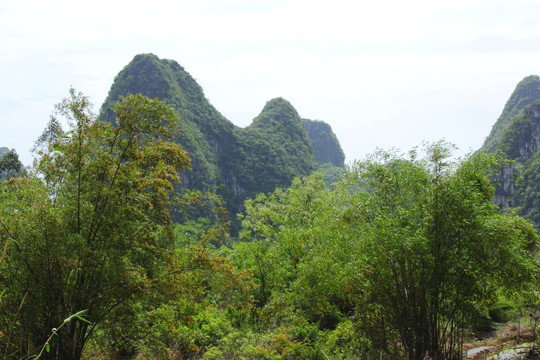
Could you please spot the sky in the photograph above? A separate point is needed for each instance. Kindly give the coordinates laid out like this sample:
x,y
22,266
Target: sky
x,y
384,74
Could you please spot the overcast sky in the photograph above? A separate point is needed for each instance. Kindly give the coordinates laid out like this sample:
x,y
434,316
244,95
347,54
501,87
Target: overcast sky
x,y
382,73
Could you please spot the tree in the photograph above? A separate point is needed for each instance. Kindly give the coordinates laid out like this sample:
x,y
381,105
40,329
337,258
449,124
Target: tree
x,y
280,230
406,251
10,165
304,265
92,229
436,249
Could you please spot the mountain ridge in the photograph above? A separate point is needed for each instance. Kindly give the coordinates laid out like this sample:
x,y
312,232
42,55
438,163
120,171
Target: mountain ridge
x,y
525,92
235,162
516,134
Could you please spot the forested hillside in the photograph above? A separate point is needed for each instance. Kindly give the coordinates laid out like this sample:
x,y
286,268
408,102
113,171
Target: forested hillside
x,y
326,147
235,162
517,134
526,92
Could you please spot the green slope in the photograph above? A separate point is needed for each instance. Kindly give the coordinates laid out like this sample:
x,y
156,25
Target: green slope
x,y
517,135
235,162
326,146
167,81
526,92
272,150
520,139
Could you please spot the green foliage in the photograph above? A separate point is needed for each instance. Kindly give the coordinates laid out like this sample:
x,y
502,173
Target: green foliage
x,y
167,81
276,148
280,231
198,214
526,92
10,165
398,257
437,249
280,343
519,143
94,228
332,174
516,141
235,163
344,343
527,191
414,247
292,240
198,300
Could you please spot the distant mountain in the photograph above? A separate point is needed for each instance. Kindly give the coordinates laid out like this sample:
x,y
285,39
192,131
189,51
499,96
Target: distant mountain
x,y
271,151
526,92
326,146
235,162
521,139
517,134
168,81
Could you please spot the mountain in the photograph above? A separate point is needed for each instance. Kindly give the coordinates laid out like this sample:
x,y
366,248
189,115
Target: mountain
x,y
235,162
521,139
326,146
521,143
168,81
526,92
517,134
272,150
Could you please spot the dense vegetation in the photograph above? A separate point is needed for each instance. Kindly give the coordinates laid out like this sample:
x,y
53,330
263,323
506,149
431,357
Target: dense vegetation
x,y
122,241
91,228
520,143
275,146
517,135
167,81
10,165
395,259
526,92
235,162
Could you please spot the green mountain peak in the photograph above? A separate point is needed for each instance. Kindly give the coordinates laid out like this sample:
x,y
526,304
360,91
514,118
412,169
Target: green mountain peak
x,y
235,162
280,109
517,134
326,146
526,92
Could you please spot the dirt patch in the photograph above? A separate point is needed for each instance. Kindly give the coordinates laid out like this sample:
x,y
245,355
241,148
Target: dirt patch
x,y
509,342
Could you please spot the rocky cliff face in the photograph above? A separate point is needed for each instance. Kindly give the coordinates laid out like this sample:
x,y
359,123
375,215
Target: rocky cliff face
x,y
235,162
326,147
520,142
517,135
